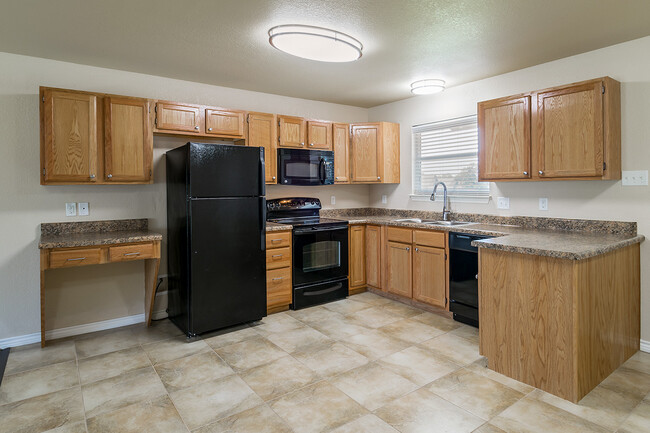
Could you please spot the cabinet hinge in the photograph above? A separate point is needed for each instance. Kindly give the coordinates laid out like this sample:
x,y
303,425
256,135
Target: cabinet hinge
x,y
155,109
150,172
602,89
445,256
43,172
155,120
278,138
43,98
248,118
446,301
604,166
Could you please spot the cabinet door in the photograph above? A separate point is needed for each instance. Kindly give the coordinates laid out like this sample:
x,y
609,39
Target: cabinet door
x,y
373,256
319,135
429,276
69,137
128,140
292,131
399,269
365,154
357,258
224,123
178,118
569,141
341,133
504,139
263,132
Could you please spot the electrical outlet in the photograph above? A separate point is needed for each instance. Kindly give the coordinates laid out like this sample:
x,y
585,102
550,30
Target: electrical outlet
x,y
543,204
83,209
70,209
635,178
384,198
503,202
332,199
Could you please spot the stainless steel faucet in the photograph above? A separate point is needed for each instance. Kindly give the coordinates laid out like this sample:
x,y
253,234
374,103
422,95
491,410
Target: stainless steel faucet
x,y
445,211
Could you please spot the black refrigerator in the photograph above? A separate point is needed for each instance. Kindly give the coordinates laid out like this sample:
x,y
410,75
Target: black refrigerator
x,y
216,245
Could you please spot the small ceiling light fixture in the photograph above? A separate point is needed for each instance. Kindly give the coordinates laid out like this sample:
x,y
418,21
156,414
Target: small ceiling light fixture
x,y
315,43
427,87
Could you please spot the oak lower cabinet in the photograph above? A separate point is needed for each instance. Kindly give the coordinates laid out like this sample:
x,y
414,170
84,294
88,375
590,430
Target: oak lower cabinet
x,y
94,138
341,147
319,135
375,153
373,256
263,132
278,271
357,258
570,132
429,276
400,265
292,132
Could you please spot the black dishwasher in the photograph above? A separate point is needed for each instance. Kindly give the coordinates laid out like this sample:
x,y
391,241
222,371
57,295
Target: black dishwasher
x,y
463,278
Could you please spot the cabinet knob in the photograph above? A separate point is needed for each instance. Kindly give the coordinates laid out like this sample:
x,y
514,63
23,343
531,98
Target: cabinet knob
x,y
311,144
336,178
541,172
525,173
196,127
273,178
417,249
92,176
378,177
209,129
109,176
302,144
408,249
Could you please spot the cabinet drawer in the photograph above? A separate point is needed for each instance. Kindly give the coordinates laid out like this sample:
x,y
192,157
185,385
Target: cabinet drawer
x,y
278,287
397,234
429,239
278,258
76,257
130,252
278,240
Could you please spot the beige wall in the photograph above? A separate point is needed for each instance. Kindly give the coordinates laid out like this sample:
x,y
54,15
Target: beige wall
x,y
108,291
628,63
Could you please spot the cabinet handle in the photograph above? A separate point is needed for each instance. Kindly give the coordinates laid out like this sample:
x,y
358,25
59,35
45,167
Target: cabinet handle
x,y
196,127
209,129
276,255
278,279
525,173
77,259
92,176
476,276
275,240
132,254
109,176
541,172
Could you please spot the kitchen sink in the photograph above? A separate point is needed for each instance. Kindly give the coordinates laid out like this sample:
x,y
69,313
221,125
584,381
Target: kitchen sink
x,y
409,220
446,223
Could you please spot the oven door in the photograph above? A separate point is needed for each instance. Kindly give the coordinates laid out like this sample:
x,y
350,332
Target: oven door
x,y
305,167
319,254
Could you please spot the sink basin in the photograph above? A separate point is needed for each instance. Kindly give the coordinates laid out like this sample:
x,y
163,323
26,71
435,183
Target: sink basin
x,y
409,220
446,223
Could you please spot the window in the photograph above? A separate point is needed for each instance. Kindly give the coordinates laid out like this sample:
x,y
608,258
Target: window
x,y
447,152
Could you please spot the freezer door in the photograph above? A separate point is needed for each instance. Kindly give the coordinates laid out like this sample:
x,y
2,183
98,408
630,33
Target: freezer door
x,y
228,270
222,170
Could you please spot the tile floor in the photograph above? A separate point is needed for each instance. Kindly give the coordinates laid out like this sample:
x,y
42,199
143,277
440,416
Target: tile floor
x,y
365,364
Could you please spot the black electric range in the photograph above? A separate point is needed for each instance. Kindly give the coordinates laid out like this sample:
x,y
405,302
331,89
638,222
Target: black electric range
x,y
320,250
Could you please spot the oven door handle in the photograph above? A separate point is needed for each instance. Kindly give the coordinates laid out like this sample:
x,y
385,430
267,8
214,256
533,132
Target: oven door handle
x,y
323,291
321,170
317,229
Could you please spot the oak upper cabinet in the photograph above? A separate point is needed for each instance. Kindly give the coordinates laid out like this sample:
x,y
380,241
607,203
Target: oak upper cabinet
x,y
357,256
69,125
373,256
128,140
319,135
374,153
225,123
292,131
341,144
263,132
504,137
575,133
178,118
429,276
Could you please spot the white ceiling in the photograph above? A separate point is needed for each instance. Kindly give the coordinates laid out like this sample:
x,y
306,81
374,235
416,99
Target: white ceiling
x,y
225,42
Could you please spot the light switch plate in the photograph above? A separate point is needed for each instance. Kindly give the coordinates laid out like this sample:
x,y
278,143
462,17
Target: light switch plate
x,y
332,199
503,202
83,209
543,203
70,209
635,178
384,199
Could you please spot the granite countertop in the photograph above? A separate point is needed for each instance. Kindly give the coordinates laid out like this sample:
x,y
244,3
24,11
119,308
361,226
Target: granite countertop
x,y
275,227
564,244
84,234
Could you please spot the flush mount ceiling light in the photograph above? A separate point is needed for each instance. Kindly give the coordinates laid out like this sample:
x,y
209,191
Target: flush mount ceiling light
x,y
315,43
427,87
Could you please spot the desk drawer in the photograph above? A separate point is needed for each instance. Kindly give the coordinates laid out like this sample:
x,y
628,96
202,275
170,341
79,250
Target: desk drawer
x,y
75,257
278,258
278,240
130,252
429,238
278,287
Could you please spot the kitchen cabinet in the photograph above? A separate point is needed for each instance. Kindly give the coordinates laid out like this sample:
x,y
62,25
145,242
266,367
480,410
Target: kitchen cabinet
x,y
357,258
263,132
374,153
319,135
279,287
174,117
128,140
373,256
93,138
292,132
429,276
570,132
224,123
400,263
341,145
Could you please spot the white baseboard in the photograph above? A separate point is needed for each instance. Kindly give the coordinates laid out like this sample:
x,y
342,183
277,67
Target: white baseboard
x,y
22,340
645,346
157,315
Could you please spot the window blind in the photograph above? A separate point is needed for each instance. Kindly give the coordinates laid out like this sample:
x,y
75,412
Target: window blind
x,y
447,152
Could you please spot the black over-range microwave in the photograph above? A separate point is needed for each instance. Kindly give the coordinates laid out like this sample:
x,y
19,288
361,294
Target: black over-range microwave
x,y
305,167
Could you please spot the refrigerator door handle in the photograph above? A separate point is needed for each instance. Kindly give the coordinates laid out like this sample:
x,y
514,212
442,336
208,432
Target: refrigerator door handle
x,y
262,173
263,222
